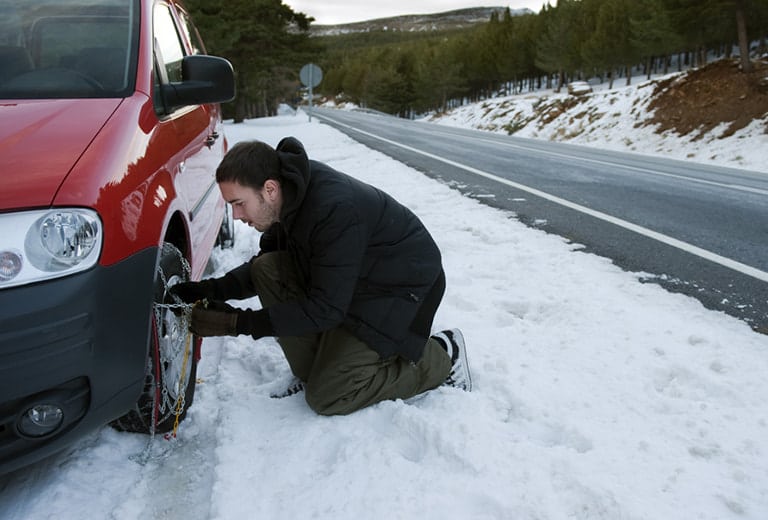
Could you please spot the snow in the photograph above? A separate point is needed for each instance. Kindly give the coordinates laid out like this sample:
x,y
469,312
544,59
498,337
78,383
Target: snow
x,y
613,119
596,397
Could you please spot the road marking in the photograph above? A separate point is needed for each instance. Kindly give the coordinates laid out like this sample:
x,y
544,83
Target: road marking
x,y
679,244
747,189
604,162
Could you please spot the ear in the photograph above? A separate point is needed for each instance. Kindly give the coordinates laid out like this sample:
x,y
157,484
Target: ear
x,y
271,189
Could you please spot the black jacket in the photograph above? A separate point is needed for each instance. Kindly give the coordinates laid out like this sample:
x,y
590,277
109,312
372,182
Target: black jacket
x,y
368,260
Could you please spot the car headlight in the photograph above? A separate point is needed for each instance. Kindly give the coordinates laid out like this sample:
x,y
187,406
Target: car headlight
x,y
40,245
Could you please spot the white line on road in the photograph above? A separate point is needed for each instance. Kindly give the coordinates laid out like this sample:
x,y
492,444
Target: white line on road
x,y
679,244
603,162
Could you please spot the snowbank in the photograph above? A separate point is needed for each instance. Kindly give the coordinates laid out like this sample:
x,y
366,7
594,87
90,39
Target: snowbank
x,y
596,397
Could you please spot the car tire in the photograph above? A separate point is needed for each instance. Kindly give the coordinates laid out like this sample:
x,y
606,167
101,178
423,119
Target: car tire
x,y
167,363
226,237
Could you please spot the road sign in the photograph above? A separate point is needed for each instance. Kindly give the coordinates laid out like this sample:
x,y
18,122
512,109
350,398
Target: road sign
x,y
311,75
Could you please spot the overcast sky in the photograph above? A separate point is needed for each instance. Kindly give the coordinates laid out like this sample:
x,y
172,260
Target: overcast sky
x,y
327,12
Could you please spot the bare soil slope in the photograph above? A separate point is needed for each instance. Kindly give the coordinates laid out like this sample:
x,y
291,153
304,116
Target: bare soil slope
x,y
706,97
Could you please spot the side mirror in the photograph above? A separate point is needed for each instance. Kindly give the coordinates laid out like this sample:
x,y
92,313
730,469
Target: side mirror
x,y
206,79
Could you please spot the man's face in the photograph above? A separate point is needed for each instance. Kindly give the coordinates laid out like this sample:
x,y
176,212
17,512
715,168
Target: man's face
x,y
257,208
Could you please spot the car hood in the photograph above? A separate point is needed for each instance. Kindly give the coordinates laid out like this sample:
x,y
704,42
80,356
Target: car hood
x,y
40,142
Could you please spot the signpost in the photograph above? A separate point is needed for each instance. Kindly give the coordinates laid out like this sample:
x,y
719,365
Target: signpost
x,y
310,75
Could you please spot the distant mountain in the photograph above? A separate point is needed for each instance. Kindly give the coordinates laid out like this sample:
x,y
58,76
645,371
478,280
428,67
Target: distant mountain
x,y
457,19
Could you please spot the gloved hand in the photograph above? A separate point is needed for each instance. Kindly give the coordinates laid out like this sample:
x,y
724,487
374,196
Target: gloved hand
x,y
190,292
214,318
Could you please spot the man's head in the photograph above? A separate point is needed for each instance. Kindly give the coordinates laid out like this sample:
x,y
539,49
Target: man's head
x,y
249,179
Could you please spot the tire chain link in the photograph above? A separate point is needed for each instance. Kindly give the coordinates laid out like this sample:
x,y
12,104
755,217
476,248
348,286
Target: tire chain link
x,y
166,404
159,310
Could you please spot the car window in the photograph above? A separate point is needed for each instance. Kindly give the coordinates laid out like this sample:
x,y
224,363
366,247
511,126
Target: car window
x,y
191,33
68,48
167,42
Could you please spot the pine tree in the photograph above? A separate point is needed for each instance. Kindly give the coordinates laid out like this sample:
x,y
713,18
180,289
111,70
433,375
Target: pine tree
x,y
440,77
559,50
653,33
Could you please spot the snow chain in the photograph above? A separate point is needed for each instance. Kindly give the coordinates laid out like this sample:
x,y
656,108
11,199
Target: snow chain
x,y
161,400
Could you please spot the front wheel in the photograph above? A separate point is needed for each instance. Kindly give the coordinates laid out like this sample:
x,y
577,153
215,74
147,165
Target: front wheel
x,y
171,369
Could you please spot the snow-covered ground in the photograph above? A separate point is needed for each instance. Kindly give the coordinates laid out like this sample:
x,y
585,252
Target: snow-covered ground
x,y
596,397
612,119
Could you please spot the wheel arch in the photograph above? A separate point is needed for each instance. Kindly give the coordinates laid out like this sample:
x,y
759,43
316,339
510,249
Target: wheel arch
x,y
177,233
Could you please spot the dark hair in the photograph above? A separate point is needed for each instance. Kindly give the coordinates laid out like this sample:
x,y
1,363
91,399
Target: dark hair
x,y
249,163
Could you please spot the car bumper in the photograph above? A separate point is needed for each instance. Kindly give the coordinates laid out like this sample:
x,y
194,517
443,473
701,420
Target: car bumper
x,y
79,341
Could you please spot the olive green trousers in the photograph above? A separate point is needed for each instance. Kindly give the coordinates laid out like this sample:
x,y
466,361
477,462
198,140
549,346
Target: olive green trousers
x,y
341,374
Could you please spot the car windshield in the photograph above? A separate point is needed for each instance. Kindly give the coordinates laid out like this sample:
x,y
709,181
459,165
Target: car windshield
x,y
67,48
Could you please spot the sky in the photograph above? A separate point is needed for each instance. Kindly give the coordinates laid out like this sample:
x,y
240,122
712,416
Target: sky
x,y
596,396
329,12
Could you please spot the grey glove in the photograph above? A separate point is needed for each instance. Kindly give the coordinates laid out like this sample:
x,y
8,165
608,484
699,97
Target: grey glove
x,y
213,319
216,318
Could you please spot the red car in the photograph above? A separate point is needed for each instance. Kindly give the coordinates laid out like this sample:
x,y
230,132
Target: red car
x,y
110,135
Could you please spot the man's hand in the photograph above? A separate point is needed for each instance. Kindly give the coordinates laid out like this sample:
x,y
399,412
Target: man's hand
x,y
191,292
214,318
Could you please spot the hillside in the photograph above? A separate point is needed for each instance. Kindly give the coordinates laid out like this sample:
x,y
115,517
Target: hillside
x,y
699,102
714,114
448,20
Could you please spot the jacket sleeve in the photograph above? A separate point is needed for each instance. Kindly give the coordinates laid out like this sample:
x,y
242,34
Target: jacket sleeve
x,y
235,285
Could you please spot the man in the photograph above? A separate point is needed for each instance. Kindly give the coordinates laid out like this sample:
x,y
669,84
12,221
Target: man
x,y
348,278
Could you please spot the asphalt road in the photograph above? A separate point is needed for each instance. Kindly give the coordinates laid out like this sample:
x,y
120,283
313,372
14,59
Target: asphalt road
x,y
694,229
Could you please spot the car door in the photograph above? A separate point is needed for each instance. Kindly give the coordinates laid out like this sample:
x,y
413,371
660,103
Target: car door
x,y
193,131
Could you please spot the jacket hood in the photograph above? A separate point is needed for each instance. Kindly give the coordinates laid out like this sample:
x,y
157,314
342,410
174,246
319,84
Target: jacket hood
x,y
294,173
